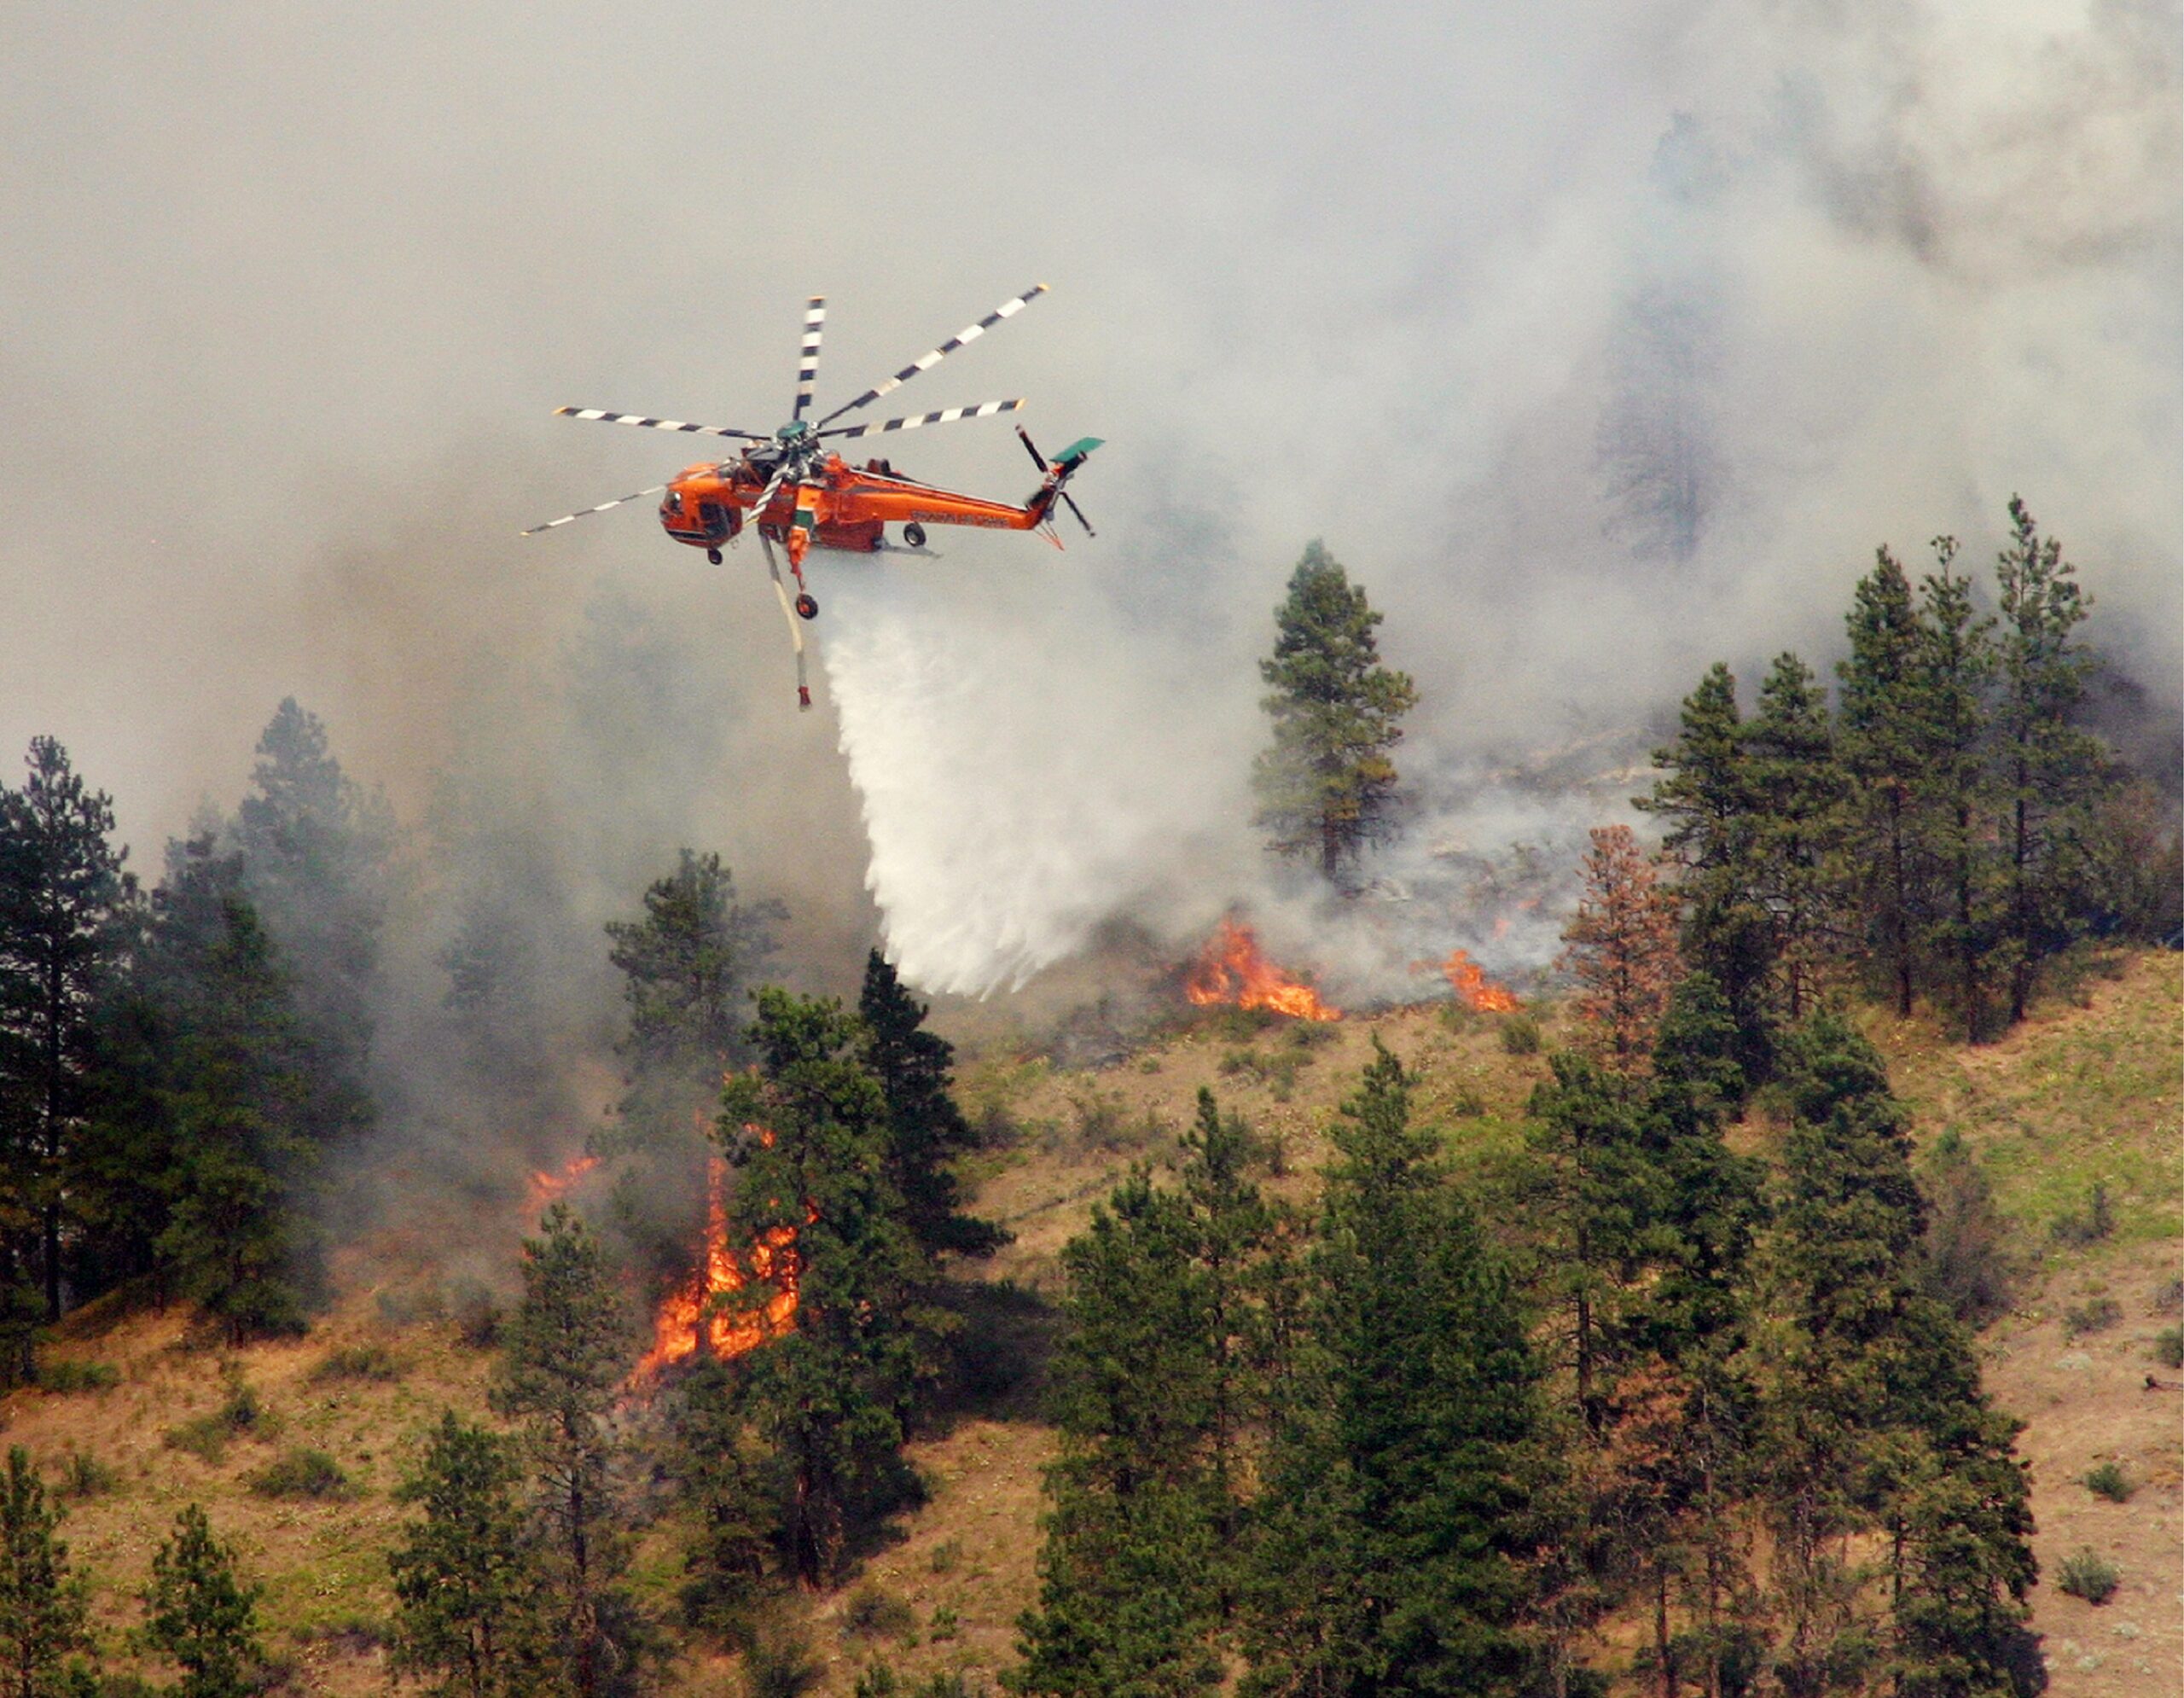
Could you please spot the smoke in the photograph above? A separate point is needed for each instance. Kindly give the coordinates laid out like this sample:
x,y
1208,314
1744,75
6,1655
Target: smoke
x,y
1598,340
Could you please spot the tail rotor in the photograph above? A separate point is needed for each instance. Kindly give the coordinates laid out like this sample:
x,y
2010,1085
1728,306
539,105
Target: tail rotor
x,y
1058,472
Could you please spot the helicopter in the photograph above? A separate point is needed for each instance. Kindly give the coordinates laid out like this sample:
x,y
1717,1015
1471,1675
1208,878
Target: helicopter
x,y
793,488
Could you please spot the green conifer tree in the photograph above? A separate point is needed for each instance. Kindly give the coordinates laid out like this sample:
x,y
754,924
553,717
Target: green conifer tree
x,y
832,1398
1129,1595
1877,1419
1954,665
460,1580
67,907
1709,804
1885,756
1327,787
1797,789
1394,1516
44,1608
198,1612
564,1358
317,850
228,1072
2051,772
927,1131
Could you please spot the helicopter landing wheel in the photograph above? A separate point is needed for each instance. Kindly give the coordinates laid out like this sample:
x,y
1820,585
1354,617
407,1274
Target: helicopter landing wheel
x,y
713,555
806,607
914,535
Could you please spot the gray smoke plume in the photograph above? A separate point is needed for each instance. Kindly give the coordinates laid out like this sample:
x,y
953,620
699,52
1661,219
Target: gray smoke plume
x,y
1599,340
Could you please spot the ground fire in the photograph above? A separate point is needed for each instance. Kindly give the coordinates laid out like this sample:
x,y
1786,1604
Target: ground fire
x,y
693,1316
1231,969
550,1188
1473,988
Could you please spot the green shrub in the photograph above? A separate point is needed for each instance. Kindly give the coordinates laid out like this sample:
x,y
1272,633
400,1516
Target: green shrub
x,y
2094,1315
947,1555
239,1413
2168,1296
2169,1347
302,1474
2084,1574
84,1475
875,1613
62,1377
782,1666
944,1624
2110,1481
2076,1229
477,1314
878,1681
1520,1035
357,1362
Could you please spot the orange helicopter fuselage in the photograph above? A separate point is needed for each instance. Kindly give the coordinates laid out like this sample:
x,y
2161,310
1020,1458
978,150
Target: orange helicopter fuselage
x,y
850,506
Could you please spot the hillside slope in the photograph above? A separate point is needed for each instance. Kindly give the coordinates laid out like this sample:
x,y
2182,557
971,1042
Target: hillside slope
x,y
2088,1091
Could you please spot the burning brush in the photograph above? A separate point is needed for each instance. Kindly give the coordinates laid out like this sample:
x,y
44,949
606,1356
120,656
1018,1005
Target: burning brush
x,y
1232,970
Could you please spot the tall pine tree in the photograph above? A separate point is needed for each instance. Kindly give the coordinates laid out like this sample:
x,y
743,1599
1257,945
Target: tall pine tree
x,y
44,1610
1796,788
564,1358
1884,750
1393,1525
67,907
832,1398
460,1580
1326,787
1955,664
2051,771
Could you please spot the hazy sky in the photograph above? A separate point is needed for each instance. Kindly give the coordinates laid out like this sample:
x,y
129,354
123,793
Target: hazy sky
x,y
1599,340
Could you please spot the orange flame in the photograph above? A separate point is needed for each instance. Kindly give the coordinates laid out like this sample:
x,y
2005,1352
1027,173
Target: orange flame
x,y
1231,969
1473,988
550,1188
692,1317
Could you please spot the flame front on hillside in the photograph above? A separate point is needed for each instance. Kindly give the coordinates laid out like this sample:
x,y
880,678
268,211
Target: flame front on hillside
x,y
1231,969
693,1316
1473,988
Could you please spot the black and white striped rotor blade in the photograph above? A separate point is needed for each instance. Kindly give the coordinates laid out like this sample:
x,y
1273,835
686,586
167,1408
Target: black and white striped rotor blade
x,y
807,363
585,512
984,410
766,496
970,333
644,423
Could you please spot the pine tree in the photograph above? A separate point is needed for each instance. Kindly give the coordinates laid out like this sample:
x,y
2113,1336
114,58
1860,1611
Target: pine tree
x,y
1878,1421
1797,789
1709,804
459,1572
832,1398
200,1613
1392,1523
66,907
688,969
1128,1589
43,1609
927,1131
1598,1196
1160,1386
227,1072
1328,787
563,1364
1620,948
1956,662
2051,771
316,850
1885,746
735,1486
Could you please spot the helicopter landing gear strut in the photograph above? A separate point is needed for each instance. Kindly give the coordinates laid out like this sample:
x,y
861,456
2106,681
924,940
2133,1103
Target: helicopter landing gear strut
x,y
795,630
713,555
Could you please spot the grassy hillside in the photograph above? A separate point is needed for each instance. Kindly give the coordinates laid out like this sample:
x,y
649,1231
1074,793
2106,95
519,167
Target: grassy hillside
x,y
2088,1092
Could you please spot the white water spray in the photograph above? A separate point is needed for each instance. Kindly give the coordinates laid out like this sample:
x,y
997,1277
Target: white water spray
x,y
1020,782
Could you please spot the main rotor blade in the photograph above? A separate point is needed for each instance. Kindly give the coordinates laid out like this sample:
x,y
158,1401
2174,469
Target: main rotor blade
x,y
970,333
584,512
807,369
644,423
984,410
